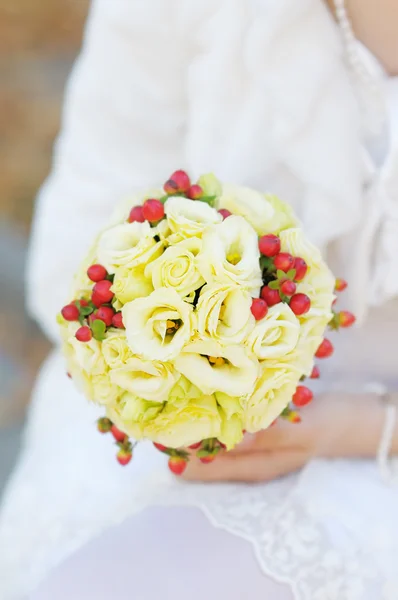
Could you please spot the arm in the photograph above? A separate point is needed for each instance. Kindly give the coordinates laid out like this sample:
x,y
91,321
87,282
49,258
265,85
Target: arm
x,y
122,130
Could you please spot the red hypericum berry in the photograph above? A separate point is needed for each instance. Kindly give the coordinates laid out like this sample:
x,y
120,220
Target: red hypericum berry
x,y
195,446
302,396
102,292
84,334
83,302
136,215
160,447
340,285
270,296
259,308
170,187
294,417
97,273
301,268
96,300
269,245
224,213
124,457
284,261
69,375
117,320
315,373
105,314
325,350
118,435
153,210
177,465
207,459
181,179
300,304
70,312
104,425
195,192
288,288
346,318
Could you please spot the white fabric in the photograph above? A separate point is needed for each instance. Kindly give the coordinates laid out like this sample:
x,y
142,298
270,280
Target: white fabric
x,y
256,90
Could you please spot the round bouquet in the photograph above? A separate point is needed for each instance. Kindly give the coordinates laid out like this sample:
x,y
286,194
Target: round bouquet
x,y
196,315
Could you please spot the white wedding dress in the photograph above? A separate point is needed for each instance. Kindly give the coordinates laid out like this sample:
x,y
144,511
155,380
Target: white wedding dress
x,y
266,93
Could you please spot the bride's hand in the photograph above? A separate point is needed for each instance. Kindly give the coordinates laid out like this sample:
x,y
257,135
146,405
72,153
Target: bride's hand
x,y
333,426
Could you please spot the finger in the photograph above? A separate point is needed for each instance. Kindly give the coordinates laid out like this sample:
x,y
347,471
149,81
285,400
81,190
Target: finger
x,y
247,467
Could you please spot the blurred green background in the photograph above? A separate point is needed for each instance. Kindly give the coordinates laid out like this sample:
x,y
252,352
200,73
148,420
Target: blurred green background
x,y
39,40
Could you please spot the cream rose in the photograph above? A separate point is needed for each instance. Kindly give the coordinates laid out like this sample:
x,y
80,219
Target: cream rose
x,y
177,268
147,379
188,218
131,283
276,334
247,203
230,254
115,349
283,216
104,391
216,368
127,245
157,327
223,313
88,355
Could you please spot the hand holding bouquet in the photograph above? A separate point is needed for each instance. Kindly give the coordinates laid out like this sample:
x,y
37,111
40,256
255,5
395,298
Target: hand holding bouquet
x,y
195,316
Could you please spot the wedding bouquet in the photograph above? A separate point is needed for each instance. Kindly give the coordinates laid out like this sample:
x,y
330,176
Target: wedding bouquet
x,y
196,315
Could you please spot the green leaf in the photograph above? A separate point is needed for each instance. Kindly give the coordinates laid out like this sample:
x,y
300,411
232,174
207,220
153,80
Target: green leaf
x,y
86,310
98,328
163,199
274,285
280,274
210,200
291,274
265,262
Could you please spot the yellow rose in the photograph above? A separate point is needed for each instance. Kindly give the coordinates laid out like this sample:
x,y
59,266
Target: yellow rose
x,y
223,313
147,379
115,349
131,283
282,218
188,218
88,355
130,414
232,414
273,392
276,334
127,245
104,391
247,203
177,268
216,368
230,254
157,327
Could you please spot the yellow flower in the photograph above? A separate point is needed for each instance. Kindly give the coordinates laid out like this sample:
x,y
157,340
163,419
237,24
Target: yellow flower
x,y
157,327
115,349
282,218
230,254
177,268
224,314
231,411
127,245
276,334
131,283
147,379
188,218
104,391
248,203
216,368
88,355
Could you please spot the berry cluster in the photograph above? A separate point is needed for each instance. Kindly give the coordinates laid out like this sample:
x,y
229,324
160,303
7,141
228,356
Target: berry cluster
x,y
206,451
125,453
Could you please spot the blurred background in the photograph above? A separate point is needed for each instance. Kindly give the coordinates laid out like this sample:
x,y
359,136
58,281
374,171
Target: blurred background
x,y
39,40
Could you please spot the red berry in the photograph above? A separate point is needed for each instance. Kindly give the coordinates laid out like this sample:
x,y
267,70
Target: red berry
x,y
195,446
224,213
207,459
294,417
83,334
153,210
97,273
102,292
160,447
340,285
300,304
170,187
177,465
302,396
270,296
288,288
259,308
182,181
105,314
325,350
96,300
118,435
195,192
83,302
136,214
346,319
269,245
284,261
124,457
104,425
315,374
301,268
117,320
70,312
